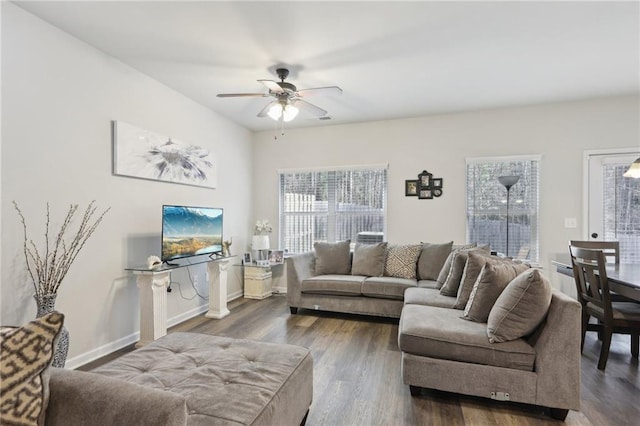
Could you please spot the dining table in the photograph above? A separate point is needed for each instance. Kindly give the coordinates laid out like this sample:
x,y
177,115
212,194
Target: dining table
x,y
624,278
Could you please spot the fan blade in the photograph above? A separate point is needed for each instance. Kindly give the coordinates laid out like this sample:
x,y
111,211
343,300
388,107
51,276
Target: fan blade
x,y
240,95
330,90
265,110
310,108
272,85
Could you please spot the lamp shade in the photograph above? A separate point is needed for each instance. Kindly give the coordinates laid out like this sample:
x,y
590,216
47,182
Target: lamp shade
x,y
508,181
260,242
634,170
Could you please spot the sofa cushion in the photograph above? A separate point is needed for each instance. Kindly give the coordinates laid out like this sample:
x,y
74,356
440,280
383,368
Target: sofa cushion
x,y
333,258
427,296
387,287
368,259
27,353
475,261
401,260
440,333
345,285
520,308
432,259
429,284
489,285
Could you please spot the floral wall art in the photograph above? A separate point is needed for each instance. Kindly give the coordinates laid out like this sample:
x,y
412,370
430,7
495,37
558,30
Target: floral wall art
x,y
147,155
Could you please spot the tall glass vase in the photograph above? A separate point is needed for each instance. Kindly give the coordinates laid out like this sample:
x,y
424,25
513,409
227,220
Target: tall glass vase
x,y
47,303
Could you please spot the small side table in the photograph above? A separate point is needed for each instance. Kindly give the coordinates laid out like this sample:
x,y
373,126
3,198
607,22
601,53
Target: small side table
x,y
257,282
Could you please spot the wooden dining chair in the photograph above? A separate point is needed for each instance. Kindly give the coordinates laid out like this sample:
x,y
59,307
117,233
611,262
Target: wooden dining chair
x,y
592,285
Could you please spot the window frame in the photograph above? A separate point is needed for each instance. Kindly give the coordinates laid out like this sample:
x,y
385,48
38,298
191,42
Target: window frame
x,y
331,198
534,219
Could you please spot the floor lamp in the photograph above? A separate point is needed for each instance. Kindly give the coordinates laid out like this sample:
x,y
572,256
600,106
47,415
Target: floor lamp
x,y
508,182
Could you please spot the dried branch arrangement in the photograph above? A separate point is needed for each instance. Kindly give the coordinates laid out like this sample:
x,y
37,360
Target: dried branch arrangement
x,y
48,269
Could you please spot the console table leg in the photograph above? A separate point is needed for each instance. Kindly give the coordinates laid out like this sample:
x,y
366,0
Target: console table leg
x,y
218,289
153,306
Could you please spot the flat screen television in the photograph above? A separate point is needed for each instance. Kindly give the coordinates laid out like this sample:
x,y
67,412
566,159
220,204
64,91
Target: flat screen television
x,y
190,231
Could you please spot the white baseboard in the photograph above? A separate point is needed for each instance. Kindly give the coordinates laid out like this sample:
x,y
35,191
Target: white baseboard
x,y
92,355
280,290
99,352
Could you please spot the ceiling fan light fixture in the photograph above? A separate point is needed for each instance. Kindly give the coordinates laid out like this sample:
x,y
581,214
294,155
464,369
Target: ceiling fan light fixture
x,y
634,170
289,112
275,112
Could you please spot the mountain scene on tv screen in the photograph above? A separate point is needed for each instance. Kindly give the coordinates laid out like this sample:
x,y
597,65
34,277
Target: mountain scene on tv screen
x,y
191,231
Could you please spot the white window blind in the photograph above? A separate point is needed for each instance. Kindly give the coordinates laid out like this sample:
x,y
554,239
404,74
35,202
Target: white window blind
x,y
622,211
487,205
331,205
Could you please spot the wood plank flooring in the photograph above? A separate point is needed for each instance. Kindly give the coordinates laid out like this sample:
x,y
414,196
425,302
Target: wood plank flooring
x,y
357,377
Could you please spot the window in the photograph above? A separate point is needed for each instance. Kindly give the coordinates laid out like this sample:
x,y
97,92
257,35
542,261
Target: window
x,y
332,205
487,205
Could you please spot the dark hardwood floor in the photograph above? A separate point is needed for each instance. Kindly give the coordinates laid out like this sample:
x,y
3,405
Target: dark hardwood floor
x,y
357,372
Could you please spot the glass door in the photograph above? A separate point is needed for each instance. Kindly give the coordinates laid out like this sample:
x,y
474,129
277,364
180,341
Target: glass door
x,y
614,203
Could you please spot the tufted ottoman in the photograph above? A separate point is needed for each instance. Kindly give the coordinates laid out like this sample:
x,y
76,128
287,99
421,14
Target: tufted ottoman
x,y
224,381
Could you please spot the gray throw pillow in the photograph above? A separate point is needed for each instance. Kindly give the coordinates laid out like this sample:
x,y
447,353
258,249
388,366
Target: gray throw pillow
x,y
432,259
401,261
452,281
475,262
492,281
368,259
520,308
333,258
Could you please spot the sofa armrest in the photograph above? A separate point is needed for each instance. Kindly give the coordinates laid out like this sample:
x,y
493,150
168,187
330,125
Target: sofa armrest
x,y
299,267
81,398
558,354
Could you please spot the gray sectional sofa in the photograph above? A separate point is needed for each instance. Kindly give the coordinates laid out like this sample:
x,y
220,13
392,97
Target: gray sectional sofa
x,y
485,326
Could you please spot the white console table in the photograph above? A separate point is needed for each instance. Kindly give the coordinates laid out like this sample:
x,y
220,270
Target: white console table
x,y
152,287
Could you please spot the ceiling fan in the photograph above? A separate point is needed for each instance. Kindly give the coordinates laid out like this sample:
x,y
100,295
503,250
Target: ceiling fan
x,y
287,98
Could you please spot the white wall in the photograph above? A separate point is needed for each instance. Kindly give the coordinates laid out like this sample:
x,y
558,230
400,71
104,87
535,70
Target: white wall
x,y
59,97
559,132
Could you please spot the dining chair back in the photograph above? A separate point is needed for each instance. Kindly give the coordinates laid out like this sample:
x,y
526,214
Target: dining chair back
x,y
611,249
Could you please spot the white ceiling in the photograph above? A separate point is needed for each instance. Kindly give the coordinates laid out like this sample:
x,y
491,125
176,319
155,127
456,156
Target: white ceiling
x,y
392,59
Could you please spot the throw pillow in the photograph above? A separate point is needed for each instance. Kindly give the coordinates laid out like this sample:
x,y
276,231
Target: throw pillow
x,y
333,258
368,259
27,353
490,283
401,260
520,308
432,259
475,262
452,282
453,279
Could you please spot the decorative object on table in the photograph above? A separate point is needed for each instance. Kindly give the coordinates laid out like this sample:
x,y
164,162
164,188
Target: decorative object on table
x,y
47,269
634,170
426,187
411,188
276,257
260,241
144,154
262,262
508,182
226,247
247,259
153,262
